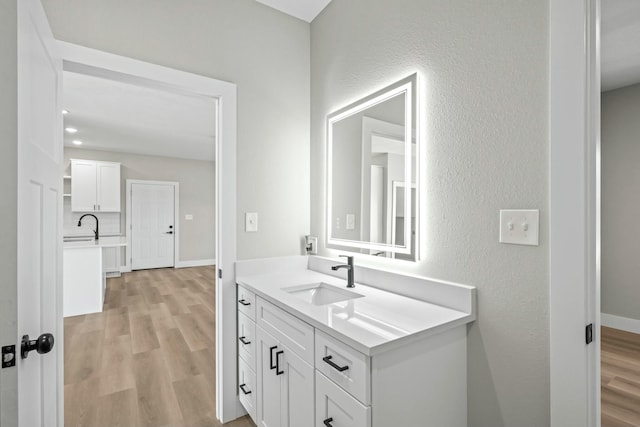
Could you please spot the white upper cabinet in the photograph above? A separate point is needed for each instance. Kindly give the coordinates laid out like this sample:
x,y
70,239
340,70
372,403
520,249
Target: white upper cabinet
x,y
95,186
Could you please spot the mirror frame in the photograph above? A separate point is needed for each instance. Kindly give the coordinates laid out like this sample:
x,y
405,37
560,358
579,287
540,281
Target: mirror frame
x,y
409,87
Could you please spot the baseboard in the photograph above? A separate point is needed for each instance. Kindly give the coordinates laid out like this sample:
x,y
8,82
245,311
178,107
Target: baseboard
x,y
622,323
195,263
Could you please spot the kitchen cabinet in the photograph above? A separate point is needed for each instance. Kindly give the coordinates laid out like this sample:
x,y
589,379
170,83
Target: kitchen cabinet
x,y
95,186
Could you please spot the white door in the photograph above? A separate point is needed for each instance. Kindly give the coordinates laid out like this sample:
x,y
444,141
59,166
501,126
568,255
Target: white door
x,y
39,217
152,226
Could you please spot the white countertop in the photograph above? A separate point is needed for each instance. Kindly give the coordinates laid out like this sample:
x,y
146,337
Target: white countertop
x,y
374,323
102,242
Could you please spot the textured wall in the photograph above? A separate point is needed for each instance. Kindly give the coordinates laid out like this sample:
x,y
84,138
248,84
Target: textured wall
x,y
620,202
263,51
197,193
484,66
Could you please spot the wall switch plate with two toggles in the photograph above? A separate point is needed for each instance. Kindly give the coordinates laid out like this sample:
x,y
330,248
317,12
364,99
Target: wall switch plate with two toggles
x,y
520,226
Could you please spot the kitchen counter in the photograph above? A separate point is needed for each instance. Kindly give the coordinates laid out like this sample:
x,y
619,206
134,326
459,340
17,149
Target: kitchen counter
x,y
102,242
374,323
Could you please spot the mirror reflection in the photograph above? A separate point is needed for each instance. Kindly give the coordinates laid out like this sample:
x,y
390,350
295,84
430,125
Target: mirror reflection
x,y
372,169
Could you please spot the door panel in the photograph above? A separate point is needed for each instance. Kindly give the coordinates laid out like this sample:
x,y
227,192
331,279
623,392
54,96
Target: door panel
x,y
39,217
298,391
152,226
269,384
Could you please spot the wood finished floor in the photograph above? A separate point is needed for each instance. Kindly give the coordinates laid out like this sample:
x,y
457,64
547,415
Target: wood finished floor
x,y
620,378
148,359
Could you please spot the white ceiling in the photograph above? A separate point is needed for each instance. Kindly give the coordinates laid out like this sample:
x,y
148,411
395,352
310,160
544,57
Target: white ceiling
x,y
620,40
123,117
306,10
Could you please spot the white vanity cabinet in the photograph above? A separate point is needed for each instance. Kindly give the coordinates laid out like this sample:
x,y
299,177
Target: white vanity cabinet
x,y
95,186
376,359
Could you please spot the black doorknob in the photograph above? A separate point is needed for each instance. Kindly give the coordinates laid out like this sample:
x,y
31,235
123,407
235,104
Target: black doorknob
x,y
43,344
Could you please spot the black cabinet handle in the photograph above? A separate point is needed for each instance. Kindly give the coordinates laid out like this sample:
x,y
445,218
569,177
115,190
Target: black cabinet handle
x,y
327,359
278,371
244,341
243,302
271,365
327,422
242,386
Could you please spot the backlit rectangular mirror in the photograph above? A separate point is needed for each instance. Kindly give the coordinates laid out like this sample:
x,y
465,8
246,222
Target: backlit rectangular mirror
x,y
373,154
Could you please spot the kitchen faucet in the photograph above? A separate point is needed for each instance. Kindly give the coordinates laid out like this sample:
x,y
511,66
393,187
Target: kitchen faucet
x,y
349,267
96,231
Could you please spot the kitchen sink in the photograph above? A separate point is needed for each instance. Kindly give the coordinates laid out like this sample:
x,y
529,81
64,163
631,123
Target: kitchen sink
x,y
78,239
321,293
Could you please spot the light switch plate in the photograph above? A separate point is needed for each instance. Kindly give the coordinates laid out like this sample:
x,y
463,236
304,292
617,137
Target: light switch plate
x,y
520,226
351,222
188,217
251,222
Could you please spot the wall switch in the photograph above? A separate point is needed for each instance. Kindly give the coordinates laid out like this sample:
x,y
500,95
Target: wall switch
x,y
188,217
251,222
351,222
520,226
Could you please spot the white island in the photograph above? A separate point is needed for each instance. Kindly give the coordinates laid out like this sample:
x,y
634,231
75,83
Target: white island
x,y
84,276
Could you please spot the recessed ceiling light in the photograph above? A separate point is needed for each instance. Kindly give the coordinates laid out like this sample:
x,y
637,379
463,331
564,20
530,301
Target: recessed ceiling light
x,y
71,130
77,142
65,111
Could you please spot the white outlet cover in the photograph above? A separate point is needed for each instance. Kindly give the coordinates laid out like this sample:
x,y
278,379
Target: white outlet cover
x,y
251,222
188,217
520,226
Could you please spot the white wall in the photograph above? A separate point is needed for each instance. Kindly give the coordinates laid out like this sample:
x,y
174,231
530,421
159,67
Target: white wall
x,y
485,71
197,195
8,203
263,51
621,202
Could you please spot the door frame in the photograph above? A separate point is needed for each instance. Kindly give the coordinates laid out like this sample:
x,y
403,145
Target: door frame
x,y
102,64
574,211
176,221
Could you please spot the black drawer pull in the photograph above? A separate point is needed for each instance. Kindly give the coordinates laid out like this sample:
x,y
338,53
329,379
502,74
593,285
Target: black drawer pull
x,y
243,390
244,341
271,365
278,371
243,302
327,422
327,359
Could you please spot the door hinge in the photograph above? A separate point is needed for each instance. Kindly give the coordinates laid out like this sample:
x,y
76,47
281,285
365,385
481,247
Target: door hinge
x,y
589,333
8,356
219,273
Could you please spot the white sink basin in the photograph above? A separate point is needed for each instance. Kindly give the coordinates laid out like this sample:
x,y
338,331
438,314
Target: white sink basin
x,y
321,293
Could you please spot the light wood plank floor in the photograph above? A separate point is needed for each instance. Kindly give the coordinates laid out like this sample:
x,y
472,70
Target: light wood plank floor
x,y
148,359
620,378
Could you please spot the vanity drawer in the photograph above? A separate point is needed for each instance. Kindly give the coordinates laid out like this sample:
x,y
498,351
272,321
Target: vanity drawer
x,y
247,340
247,388
345,366
337,407
247,303
289,330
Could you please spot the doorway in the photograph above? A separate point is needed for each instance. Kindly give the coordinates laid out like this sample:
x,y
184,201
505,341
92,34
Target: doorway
x,y
152,218
223,95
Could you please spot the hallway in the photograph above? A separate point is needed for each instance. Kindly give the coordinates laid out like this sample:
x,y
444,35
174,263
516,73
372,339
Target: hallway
x,y
148,358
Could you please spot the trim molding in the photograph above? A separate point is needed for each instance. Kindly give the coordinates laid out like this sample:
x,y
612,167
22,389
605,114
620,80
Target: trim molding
x,y
196,263
618,322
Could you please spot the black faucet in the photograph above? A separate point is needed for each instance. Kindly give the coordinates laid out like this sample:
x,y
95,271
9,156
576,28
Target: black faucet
x,y
349,267
97,230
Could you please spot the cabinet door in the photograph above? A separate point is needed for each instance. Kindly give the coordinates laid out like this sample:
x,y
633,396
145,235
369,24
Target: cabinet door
x,y
83,186
269,393
298,387
338,408
108,187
